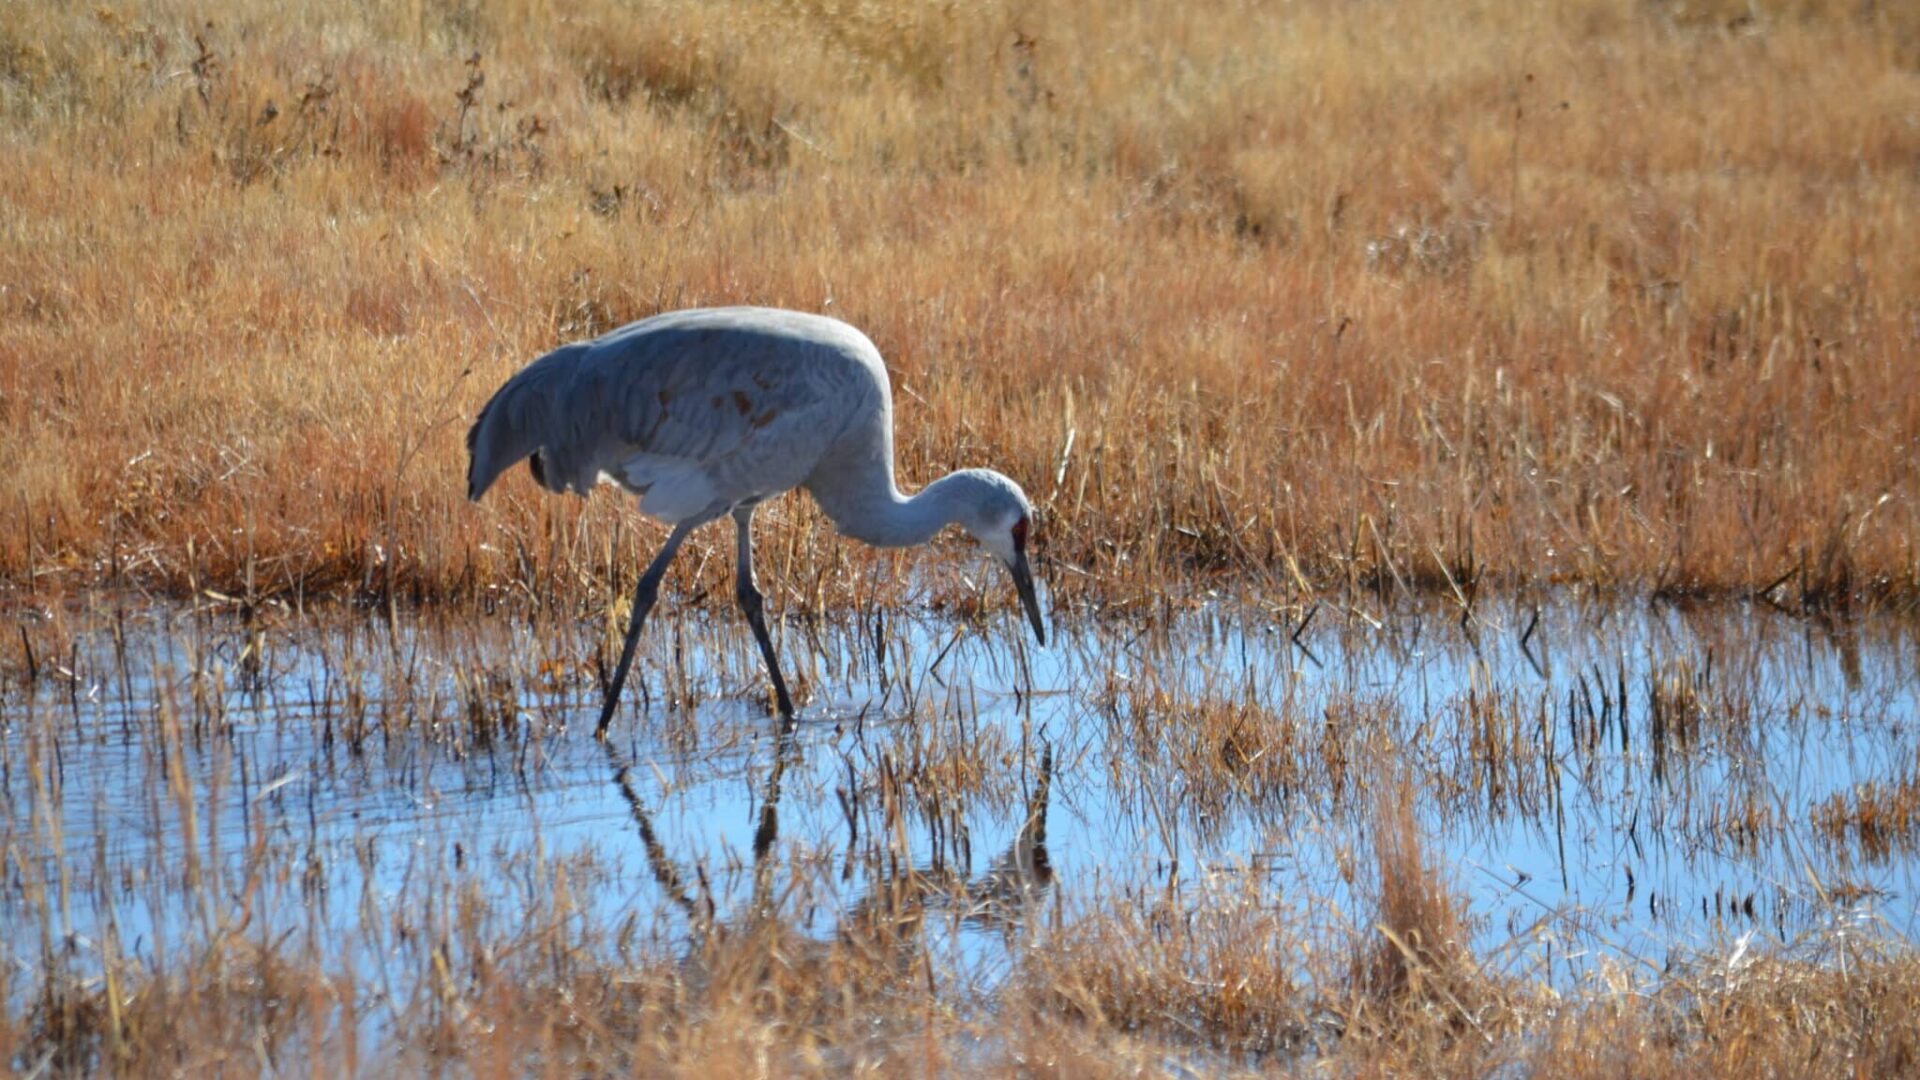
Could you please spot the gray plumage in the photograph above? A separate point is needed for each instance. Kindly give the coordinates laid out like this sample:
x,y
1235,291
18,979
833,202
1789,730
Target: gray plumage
x,y
707,412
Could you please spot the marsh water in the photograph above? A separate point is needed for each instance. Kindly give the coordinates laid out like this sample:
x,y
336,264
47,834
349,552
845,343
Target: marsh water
x,y
1613,789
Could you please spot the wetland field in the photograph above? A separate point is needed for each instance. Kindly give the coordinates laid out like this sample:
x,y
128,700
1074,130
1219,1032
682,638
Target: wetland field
x,y
1474,453
1202,842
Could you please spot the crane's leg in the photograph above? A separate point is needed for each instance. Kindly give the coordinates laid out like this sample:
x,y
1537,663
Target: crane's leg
x,y
643,598
748,593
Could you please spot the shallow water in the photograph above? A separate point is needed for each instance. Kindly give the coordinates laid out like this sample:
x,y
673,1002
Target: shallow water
x,y
1610,788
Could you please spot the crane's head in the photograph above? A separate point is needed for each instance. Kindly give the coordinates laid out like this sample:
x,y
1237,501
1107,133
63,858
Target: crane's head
x,y
998,515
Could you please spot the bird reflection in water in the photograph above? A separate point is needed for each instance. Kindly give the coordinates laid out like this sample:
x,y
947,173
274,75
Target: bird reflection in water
x,y
884,927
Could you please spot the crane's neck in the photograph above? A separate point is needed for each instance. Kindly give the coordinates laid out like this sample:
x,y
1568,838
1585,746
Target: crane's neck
x,y
877,513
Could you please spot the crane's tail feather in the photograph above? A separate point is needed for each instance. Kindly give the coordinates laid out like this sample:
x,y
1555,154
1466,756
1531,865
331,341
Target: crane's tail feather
x,y
474,488
491,447
517,423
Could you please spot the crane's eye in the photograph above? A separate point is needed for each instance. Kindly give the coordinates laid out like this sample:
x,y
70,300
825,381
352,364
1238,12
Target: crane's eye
x,y
1020,535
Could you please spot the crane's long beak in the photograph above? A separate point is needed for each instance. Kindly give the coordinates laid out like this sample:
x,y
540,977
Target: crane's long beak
x,y
1023,581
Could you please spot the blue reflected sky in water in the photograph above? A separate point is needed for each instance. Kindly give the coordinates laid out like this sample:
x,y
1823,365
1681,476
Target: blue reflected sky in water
x,y
361,844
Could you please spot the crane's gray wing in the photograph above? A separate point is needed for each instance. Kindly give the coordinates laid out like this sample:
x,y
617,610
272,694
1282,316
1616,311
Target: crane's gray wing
x,y
719,416
689,413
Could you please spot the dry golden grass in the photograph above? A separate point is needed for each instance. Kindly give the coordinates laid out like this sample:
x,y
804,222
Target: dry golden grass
x,y
1313,295
256,1012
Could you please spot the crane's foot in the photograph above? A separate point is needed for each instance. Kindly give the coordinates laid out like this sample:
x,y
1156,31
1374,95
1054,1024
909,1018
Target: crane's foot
x,y
607,710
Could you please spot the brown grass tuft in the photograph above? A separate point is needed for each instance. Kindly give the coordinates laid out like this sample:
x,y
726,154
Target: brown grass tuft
x,y
1417,989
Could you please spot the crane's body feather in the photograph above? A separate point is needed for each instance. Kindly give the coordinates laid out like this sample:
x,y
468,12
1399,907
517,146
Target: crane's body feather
x,y
688,409
707,412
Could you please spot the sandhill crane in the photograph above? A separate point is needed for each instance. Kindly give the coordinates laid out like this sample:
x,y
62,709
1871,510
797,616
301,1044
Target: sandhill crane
x,y
707,412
